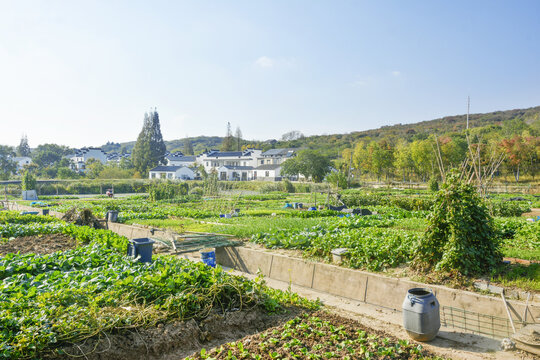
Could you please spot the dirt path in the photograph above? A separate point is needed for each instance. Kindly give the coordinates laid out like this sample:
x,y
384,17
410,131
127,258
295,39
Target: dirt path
x,y
533,213
448,343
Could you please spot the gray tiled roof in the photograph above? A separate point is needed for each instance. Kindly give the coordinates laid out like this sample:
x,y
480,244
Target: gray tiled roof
x,y
268,167
167,168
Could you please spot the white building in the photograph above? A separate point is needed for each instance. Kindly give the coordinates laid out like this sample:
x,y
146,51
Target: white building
x,y
214,159
277,156
81,156
172,173
180,160
115,157
246,165
235,173
21,162
269,172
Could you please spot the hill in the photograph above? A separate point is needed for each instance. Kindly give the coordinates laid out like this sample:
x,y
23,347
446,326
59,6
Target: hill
x,y
333,144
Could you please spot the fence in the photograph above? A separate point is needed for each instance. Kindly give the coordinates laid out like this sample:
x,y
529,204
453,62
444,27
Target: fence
x,y
476,323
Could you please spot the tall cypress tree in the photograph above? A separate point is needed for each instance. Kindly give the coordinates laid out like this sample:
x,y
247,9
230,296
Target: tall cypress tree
x,y
228,141
188,146
149,149
23,149
238,138
157,145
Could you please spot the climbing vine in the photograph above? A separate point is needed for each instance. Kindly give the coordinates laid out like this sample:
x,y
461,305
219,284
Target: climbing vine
x,y
460,235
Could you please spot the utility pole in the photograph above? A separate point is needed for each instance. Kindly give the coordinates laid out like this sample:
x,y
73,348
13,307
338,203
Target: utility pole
x,y
468,108
349,172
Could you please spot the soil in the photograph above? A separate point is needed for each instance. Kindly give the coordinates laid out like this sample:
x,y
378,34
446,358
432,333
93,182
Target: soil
x,y
38,244
175,340
533,213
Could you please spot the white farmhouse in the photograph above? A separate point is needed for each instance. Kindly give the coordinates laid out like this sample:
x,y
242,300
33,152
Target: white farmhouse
x,y
270,172
277,156
214,159
21,162
82,155
172,173
180,160
235,173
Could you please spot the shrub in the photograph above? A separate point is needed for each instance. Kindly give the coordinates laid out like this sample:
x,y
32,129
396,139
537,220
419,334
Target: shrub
x,y
28,181
167,190
460,236
433,184
287,186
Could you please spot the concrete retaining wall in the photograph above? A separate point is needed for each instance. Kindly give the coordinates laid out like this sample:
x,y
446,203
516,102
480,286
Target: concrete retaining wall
x,y
360,285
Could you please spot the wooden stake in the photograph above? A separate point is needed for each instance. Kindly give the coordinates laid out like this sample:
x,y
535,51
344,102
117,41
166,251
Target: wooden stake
x,y
508,311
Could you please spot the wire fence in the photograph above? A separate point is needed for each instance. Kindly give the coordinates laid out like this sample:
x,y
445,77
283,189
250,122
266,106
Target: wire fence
x,y
476,323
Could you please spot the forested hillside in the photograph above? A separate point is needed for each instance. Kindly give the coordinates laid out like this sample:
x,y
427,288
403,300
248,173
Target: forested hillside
x,y
332,145
409,152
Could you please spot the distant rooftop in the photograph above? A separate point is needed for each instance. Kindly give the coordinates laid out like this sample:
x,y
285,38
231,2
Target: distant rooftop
x,y
166,168
288,152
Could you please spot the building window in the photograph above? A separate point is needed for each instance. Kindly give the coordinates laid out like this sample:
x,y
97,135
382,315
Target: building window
x,y
262,162
153,175
169,175
267,173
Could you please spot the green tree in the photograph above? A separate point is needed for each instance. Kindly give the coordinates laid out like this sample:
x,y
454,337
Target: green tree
x,y
188,146
309,163
94,167
65,172
23,149
460,236
228,141
238,139
125,163
7,165
382,158
113,171
149,149
403,161
338,179
47,155
423,157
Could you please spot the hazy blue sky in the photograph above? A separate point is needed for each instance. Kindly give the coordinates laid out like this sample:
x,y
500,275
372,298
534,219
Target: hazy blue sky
x,y
84,72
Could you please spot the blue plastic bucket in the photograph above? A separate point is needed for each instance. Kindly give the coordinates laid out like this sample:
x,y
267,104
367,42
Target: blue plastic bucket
x,y
208,256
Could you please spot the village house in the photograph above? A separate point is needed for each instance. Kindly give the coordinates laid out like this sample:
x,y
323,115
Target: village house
x,y
178,159
81,156
22,161
172,173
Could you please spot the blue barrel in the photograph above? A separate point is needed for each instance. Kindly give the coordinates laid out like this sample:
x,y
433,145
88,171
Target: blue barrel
x,y
208,256
421,316
141,248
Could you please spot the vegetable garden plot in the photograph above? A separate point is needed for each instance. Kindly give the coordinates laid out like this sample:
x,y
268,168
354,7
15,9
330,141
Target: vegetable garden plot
x,y
48,302
317,336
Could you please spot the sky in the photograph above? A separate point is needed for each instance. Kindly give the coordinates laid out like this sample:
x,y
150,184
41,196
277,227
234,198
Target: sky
x,y
81,73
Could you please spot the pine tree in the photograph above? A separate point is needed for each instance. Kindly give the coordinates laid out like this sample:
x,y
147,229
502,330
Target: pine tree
x,y
238,138
188,147
149,149
23,149
228,141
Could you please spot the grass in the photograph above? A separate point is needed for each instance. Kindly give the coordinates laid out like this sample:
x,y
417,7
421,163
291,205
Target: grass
x,y
519,276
